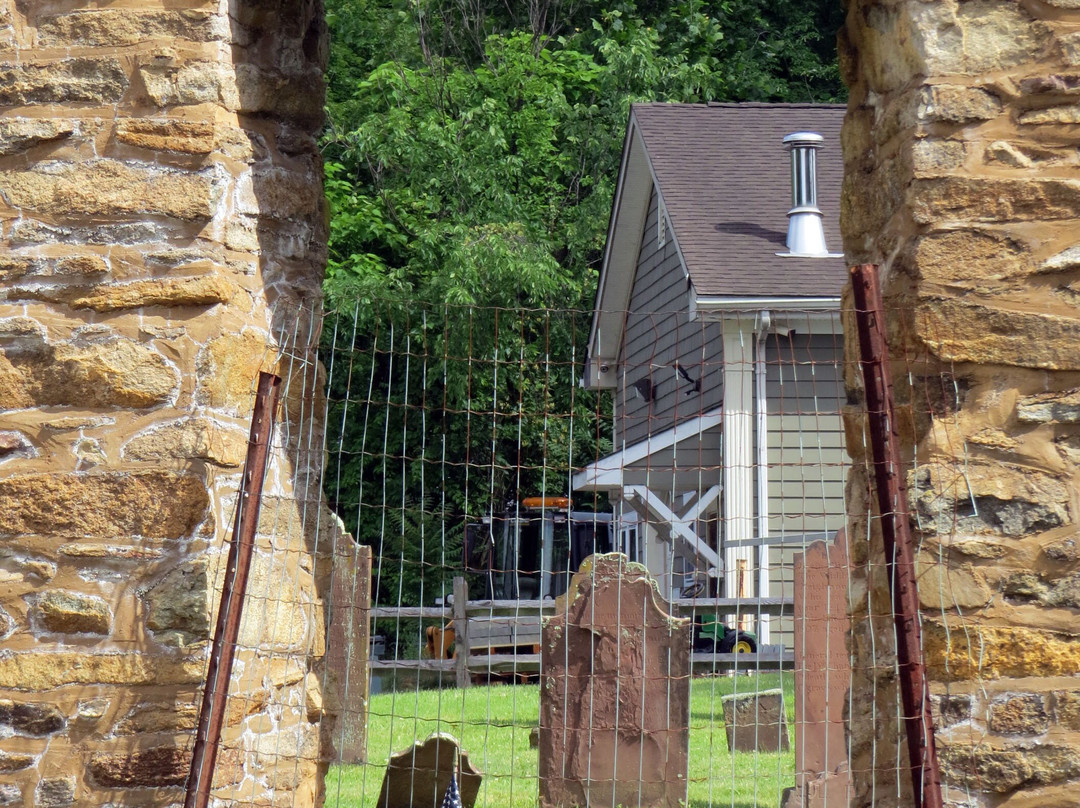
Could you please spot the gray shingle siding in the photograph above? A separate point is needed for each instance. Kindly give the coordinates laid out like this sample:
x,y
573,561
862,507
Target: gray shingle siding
x,y
658,333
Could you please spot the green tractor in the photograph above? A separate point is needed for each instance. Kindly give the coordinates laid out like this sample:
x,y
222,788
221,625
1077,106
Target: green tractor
x,y
712,636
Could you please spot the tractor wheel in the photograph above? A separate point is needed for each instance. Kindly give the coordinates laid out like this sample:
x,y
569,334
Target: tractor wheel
x,y
744,645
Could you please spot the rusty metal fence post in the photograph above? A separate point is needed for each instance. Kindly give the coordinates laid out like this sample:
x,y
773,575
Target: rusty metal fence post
x,y
230,608
891,491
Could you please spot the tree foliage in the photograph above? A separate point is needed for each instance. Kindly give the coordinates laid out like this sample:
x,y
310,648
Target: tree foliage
x,y
471,153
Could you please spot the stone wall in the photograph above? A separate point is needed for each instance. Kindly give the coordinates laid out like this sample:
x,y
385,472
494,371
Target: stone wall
x,y
963,183
160,206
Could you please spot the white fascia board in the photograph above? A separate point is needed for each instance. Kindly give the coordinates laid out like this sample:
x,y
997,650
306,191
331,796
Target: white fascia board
x,y
617,270
706,305
816,315
607,472
637,179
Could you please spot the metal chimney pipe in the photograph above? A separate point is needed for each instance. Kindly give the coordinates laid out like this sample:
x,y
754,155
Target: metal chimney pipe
x,y
805,235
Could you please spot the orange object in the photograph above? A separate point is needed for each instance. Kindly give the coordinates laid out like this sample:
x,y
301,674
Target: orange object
x,y
440,641
549,503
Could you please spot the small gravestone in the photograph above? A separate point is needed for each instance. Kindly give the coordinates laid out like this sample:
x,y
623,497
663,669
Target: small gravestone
x,y
755,722
615,693
419,777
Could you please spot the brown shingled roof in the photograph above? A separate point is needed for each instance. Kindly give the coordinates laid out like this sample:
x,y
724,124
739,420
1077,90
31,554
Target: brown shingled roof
x,y
725,179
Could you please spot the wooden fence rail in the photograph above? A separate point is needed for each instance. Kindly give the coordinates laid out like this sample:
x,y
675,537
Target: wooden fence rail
x,y
502,637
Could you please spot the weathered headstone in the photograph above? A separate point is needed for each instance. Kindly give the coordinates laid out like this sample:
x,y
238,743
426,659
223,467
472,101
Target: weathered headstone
x,y
615,693
348,650
822,673
755,722
419,776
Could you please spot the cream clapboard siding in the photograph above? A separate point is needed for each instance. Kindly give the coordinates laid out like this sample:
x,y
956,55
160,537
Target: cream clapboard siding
x,y
806,456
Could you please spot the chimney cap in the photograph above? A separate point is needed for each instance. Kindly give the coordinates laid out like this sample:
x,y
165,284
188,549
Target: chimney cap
x,y
811,139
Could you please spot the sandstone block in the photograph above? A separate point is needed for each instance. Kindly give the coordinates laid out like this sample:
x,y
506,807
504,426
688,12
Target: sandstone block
x,y
203,290
951,587
283,194
117,28
1024,714
959,256
949,710
1000,768
1061,407
228,369
14,761
90,550
993,199
169,84
756,722
31,718
91,710
1067,550
930,157
109,373
958,330
976,548
1031,587
180,601
190,439
150,718
153,504
15,444
1007,154
953,103
73,613
46,670
988,652
1067,709
289,618
1011,500
104,187
900,41
156,767
55,792
421,775
993,36
185,137
257,90
19,134
1066,114
89,81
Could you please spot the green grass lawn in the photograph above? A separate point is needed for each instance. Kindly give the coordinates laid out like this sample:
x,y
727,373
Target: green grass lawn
x,y
493,724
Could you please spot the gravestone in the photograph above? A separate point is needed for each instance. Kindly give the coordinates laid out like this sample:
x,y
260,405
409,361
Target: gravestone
x,y
755,722
419,776
822,673
349,647
615,692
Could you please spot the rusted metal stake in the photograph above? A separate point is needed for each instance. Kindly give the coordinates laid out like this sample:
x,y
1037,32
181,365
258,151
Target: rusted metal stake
x,y
216,693
896,533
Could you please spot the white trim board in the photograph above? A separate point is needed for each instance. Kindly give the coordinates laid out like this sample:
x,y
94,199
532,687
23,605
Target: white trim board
x,y
606,474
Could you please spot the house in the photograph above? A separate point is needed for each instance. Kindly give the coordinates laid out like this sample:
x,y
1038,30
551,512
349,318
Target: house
x,y
717,331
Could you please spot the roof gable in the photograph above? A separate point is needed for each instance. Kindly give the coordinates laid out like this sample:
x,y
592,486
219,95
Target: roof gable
x,y
724,178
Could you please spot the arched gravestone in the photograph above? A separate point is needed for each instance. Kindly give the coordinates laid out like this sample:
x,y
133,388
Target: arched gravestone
x,y
615,692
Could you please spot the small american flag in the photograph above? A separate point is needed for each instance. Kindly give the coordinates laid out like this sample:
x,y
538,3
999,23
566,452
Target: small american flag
x,y
453,796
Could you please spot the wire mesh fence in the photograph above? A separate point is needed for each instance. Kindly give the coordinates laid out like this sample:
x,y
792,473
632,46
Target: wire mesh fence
x,y
647,593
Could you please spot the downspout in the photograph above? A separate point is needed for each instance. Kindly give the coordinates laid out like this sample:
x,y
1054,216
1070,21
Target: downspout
x,y
762,441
